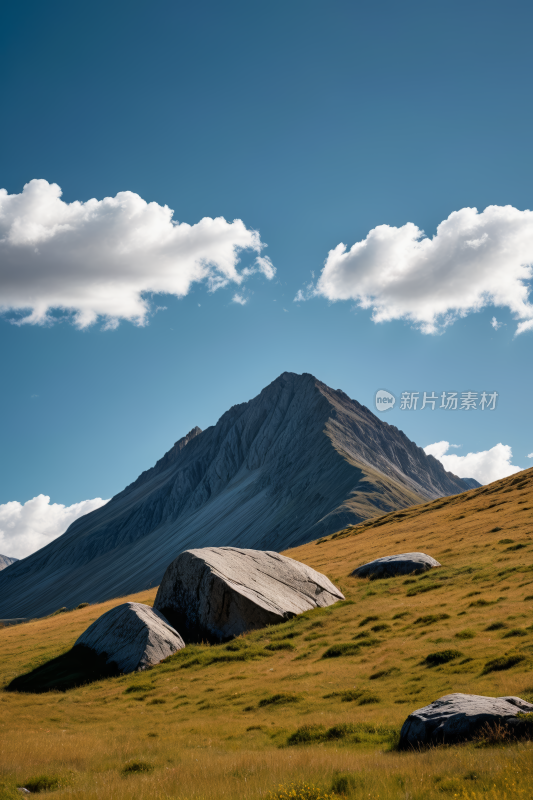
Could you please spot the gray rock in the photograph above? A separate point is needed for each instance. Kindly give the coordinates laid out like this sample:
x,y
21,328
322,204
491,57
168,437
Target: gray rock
x,y
459,717
295,463
215,593
132,635
402,564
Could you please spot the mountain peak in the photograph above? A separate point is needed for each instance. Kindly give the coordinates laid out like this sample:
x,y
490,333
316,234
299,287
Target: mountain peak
x,y
298,461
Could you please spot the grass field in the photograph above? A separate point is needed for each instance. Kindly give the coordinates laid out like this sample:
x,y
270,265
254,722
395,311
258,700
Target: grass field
x,y
319,699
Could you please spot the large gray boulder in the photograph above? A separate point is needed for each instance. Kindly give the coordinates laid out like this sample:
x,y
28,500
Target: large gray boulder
x,y
216,593
402,564
132,635
459,717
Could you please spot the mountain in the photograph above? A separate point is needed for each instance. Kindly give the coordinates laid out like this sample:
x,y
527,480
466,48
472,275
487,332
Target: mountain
x,y
5,561
297,462
471,483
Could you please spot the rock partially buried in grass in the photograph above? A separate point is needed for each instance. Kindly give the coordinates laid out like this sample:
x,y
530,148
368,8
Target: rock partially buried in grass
x,y
133,636
216,593
402,564
460,717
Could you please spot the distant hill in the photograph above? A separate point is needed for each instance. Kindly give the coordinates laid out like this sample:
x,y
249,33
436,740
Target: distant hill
x,y
297,462
5,561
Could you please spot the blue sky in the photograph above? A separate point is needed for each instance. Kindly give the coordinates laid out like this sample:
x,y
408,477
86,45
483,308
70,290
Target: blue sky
x,y
312,123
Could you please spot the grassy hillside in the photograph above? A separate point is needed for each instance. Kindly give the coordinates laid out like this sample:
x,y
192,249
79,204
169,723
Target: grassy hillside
x,y
319,699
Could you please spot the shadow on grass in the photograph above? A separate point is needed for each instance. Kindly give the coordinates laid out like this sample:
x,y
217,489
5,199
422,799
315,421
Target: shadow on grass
x,y
74,668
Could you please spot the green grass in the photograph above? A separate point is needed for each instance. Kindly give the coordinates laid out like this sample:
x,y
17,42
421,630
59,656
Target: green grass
x,y
362,697
514,632
139,687
431,619
43,783
366,620
503,663
421,589
136,767
384,673
345,784
205,655
355,732
441,657
280,699
345,649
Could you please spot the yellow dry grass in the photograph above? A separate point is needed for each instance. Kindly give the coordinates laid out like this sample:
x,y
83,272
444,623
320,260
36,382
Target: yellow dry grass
x,y
208,730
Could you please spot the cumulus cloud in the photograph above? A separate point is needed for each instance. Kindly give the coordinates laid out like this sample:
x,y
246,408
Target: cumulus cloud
x,y
474,260
104,258
495,324
485,466
25,528
530,455
239,299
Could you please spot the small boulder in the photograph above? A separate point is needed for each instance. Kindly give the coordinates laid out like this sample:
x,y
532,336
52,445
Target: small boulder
x,y
459,717
216,593
132,635
402,564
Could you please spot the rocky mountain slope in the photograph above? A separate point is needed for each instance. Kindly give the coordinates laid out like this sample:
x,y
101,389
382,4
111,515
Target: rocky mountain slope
x,y
5,561
297,462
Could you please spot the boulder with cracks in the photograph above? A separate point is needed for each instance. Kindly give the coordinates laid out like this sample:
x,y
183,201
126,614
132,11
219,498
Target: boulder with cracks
x,y
133,636
460,717
216,593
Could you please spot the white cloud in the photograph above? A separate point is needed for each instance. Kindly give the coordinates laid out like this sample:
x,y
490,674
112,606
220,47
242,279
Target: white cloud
x,y
485,466
103,258
474,260
262,264
238,298
304,294
25,528
495,324
530,455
